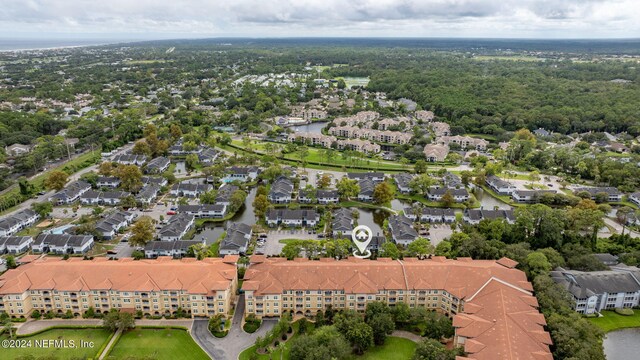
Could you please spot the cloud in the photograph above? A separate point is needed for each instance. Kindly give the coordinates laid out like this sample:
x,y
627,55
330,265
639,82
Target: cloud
x,y
260,18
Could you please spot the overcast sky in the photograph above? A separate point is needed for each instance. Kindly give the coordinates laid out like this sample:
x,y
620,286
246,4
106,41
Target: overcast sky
x,y
158,19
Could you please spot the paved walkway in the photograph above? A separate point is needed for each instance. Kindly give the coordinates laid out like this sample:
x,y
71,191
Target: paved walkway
x,y
407,335
229,347
33,326
112,342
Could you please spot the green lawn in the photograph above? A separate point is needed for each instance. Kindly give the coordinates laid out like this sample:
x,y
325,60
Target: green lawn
x,y
97,336
612,321
157,344
393,348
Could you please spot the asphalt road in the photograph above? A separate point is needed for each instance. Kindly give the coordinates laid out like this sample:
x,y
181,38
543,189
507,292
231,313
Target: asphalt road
x,y
229,347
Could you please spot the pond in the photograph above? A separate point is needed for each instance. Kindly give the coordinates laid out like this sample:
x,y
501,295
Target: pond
x,y
373,218
489,202
315,127
622,344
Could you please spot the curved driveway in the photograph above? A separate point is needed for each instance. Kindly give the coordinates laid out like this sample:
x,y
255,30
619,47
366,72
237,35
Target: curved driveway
x,y
229,347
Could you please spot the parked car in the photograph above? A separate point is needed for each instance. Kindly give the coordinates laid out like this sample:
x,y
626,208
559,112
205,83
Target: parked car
x,y
171,212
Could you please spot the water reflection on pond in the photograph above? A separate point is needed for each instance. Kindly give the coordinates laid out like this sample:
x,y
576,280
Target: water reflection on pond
x,y
315,127
622,344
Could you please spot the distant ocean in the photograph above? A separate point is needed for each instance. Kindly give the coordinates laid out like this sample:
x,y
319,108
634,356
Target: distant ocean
x,y
35,44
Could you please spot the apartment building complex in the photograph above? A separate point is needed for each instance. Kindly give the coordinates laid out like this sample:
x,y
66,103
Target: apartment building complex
x,y
155,287
491,302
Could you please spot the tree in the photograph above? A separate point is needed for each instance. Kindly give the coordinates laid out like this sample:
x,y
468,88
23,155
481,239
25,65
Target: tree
x,y
421,167
325,343
105,169
348,188
420,247
141,231
216,323
623,214
390,250
260,205
291,250
324,181
116,320
56,180
11,262
209,197
537,263
175,131
447,199
237,200
430,349
382,325
383,193
43,209
130,177
192,161
142,148
421,183
360,335
128,202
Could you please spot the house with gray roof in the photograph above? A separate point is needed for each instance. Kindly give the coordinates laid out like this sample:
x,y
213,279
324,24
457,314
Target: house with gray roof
x,y
157,165
15,244
367,187
107,182
402,231
529,196
71,193
601,290
474,216
214,211
342,222
292,218
175,249
430,215
459,195
281,190
113,223
402,182
189,189
147,194
62,244
613,194
500,186
17,221
236,240
177,227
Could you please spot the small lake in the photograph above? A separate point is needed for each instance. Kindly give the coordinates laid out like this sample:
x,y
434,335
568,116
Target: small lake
x,y
315,127
373,218
489,202
622,344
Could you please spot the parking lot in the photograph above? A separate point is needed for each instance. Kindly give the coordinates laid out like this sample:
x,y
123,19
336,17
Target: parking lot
x,y
272,244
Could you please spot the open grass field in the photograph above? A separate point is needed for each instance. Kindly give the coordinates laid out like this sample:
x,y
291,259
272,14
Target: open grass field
x,y
159,344
36,350
393,348
612,321
315,156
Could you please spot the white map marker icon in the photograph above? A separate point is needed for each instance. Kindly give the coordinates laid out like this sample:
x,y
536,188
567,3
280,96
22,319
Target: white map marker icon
x,y
362,236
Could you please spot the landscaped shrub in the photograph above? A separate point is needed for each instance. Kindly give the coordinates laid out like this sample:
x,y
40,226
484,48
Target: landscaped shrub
x,y
625,312
251,324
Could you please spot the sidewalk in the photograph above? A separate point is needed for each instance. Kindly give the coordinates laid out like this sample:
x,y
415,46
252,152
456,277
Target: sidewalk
x,y
38,325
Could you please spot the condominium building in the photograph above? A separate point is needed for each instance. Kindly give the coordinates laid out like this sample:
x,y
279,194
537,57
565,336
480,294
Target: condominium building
x,y
491,302
155,287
